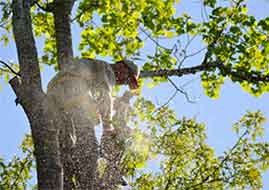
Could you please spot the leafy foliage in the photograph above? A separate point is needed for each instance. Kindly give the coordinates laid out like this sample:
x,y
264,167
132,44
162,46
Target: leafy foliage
x,y
16,173
44,27
5,21
188,162
236,42
239,41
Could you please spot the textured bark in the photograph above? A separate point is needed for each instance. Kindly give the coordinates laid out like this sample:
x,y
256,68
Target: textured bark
x,y
62,12
42,117
26,49
44,121
79,152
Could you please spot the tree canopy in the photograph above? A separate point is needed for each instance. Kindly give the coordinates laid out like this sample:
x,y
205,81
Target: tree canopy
x,y
233,46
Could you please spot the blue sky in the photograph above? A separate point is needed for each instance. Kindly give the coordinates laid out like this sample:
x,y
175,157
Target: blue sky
x,y
219,115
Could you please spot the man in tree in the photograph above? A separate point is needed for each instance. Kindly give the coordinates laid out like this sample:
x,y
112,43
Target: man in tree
x,y
235,46
82,91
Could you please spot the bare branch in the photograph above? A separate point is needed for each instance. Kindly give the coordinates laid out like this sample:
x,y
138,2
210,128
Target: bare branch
x,y
152,39
167,102
9,68
47,8
196,53
181,91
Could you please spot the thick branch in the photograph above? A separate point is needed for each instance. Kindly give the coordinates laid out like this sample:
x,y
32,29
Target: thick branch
x,y
237,75
62,23
176,72
252,76
26,49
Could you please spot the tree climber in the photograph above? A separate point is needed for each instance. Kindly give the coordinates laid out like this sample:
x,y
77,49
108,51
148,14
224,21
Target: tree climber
x,y
82,91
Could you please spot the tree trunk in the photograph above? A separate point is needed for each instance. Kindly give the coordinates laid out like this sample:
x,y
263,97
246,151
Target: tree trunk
x,y
44,120
79,150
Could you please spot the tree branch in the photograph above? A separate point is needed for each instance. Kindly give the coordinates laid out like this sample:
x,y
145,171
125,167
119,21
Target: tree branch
x,y
62,24
249,76
28,160
206,180
166,103
9,68
181,91
47,8
176,72
26,49
252,76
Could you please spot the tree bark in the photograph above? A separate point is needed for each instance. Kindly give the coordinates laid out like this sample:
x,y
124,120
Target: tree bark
x,y
43,118
26,49
80,152
62,12
44,121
